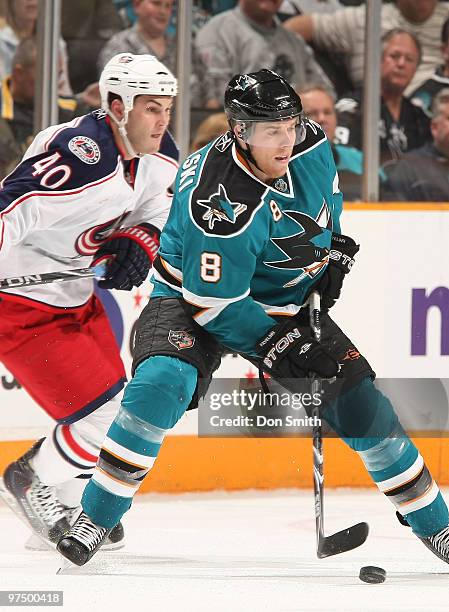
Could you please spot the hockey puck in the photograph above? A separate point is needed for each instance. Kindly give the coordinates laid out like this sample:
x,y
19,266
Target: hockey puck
x,y
372,574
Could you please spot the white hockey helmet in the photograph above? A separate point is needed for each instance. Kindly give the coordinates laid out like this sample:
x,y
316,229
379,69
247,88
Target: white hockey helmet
x,y
129,75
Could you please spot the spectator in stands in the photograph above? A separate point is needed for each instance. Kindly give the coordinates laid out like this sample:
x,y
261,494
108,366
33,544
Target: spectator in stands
x,y
21,18
331,63
85,26
149,35
403,126
206,7
343,32
212,127
423,174
439,80
319,105
250,37
17,106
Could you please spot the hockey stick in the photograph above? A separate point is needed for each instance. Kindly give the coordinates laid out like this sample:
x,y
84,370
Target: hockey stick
x,y
354,536
52,277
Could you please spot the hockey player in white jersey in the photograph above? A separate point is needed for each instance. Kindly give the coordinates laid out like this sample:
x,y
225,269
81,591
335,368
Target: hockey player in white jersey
x,y
94,189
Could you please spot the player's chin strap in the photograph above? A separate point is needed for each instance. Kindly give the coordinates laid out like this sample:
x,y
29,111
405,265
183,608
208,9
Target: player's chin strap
x,y
124,134
246,153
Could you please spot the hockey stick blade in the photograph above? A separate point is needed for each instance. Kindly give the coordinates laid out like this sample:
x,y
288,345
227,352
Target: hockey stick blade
x,y
342,541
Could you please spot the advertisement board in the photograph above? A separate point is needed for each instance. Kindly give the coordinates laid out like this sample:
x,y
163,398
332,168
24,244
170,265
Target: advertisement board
x,y
395,307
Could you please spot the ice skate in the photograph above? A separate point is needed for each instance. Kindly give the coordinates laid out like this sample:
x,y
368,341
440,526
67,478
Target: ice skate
x,y
82,541
114,541
439,544
33,501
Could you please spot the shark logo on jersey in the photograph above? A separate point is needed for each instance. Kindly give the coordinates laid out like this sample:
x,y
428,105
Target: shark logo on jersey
x,y
220,208
85,148
301,253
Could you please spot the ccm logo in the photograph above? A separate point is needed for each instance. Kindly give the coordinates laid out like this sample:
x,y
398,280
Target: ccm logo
x,y
281,345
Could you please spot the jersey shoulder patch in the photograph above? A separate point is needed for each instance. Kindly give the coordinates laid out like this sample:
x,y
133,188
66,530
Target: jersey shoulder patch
x,y
225,198
88,140
66,157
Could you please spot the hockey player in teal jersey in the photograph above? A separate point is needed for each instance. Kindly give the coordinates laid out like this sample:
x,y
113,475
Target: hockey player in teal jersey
x,y
254,227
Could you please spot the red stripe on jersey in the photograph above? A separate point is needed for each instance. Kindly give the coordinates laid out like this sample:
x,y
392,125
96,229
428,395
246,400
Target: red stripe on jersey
x,y
75,447
50,194
167,159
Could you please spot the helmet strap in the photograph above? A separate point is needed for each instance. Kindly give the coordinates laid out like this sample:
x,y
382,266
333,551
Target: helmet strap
x,y
124,134
247,153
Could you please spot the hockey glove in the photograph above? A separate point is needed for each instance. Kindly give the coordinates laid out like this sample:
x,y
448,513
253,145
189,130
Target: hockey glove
x,y
341,259
129,254
289,350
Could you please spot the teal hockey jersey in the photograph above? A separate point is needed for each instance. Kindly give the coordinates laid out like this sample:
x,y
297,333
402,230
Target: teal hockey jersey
x,y
240,251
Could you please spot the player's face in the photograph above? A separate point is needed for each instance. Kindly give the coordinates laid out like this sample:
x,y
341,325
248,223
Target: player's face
x,y
319,106
272,145
440,129
148,121
399,63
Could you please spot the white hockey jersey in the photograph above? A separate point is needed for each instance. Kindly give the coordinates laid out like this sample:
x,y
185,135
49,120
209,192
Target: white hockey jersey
x,y
68,194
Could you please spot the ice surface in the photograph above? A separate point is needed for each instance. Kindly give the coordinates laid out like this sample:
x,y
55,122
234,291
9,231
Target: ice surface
x,y
249,551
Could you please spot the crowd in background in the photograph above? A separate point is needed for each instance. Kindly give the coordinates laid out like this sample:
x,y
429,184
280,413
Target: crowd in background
x,y
317,45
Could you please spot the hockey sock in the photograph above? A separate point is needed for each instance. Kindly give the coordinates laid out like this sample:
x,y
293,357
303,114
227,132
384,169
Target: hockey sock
x,y
69,493
153,402
73,449
366,421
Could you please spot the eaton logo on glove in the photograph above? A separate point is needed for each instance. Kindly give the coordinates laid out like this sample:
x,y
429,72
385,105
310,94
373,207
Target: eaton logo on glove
x,y
281,345
341,257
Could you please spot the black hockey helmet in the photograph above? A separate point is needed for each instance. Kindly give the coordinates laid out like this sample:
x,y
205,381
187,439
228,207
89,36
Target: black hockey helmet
x,y
261,96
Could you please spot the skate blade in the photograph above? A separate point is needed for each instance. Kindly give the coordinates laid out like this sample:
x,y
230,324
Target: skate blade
x,y
67,567
35,543
11,501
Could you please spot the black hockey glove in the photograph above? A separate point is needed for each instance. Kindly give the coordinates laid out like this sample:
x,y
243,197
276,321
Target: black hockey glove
x,y
129,254
289,350
341,258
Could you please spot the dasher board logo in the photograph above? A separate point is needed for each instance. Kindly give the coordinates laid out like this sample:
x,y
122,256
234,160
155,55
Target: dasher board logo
x,y
86,149
181,339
